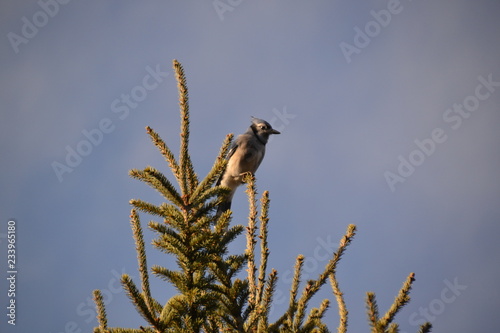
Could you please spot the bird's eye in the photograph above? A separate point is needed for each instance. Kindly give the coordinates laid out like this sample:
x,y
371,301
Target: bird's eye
x,y
263,127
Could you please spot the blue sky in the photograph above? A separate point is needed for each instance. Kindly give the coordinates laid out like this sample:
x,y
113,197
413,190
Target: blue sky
x,y
389,114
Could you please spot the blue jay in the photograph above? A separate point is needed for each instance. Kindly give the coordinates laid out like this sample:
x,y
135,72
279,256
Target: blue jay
x,y
245,155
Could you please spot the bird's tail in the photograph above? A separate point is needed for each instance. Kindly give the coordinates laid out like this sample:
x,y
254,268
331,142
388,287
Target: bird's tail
x,y
223,207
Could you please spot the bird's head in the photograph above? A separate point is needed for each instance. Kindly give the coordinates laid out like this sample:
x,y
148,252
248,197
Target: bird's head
x,y
262,129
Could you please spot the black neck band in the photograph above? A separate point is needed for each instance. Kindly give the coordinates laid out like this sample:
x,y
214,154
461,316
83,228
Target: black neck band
x,y
255,133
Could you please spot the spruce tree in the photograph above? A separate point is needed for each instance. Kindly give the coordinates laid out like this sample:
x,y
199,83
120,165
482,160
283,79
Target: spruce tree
x,y
213,294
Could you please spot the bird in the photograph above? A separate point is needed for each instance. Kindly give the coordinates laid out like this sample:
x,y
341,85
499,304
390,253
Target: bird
x,y
245,155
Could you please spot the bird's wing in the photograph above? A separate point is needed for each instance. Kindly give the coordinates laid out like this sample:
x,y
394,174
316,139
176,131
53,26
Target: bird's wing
x,y
230,153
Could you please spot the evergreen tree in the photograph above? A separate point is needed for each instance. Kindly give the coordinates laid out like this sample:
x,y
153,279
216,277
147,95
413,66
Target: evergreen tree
x,y
211,294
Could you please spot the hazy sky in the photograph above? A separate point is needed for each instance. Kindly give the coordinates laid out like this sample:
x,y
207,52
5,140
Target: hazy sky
x,y
389,113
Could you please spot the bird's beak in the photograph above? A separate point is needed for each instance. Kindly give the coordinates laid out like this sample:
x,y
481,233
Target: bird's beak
x,y
275,131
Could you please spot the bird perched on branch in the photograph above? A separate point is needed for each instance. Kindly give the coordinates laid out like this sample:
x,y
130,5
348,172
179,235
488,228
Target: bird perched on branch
x,y
245,155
